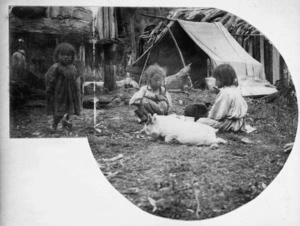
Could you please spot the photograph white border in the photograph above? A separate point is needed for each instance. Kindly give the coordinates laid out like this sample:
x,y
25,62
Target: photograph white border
x,y
278,205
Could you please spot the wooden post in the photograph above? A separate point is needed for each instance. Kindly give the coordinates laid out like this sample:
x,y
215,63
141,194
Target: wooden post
x,y
99,22
82,52
109,78
106,22
262,51
132,38
275,64
111,23
250,40
116,26
94,40
102,63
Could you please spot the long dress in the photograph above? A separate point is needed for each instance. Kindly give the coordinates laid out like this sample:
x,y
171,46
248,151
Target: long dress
x,y
63,94
146,101
228,111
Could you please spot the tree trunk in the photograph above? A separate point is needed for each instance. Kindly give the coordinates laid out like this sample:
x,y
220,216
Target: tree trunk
x,y
109,78
132,38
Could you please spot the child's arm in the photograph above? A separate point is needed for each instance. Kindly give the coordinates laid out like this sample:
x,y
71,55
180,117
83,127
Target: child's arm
x,y
169,99
158,97
152,96
138,96
50,79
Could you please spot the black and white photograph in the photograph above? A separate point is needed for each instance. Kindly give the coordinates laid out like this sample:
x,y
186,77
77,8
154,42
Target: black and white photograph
x,y
184,113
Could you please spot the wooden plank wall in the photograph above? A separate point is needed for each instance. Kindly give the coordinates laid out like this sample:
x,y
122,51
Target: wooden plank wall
x,y
276,65
106,23
263,51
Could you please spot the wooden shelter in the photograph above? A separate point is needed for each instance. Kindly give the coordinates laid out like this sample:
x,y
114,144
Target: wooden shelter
x,y
184,42
42,28
107,40
252,40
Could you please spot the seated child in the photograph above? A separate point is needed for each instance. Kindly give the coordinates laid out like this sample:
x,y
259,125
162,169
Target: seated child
x,y
230,108
153,97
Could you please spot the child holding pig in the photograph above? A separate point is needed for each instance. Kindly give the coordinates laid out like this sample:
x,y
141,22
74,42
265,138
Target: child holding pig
x,y
230,108
153,97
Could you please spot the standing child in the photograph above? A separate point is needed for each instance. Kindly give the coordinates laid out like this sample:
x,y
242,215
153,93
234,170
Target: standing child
x,y
153,97
230,108
63,95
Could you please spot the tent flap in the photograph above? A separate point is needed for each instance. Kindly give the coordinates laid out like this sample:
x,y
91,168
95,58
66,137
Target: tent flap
x,y
222,48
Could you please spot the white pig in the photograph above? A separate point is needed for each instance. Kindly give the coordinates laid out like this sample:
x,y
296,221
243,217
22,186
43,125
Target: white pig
x,y
185,132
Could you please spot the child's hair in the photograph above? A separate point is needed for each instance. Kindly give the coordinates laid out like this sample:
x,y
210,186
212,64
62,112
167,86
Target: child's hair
x,y
64,47
226,75
154,69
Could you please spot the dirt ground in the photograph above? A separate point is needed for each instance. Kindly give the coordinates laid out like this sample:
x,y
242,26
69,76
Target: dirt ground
x,y
173,180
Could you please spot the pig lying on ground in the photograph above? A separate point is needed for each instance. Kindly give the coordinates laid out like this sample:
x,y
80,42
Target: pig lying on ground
x,y
179,81
185,132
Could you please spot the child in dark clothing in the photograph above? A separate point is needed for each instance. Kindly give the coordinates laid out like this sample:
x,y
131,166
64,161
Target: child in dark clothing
x,y
63,95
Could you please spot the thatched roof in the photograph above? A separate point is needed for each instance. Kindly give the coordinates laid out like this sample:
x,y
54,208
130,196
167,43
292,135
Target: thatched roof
x,y
234,24
50,26
58,21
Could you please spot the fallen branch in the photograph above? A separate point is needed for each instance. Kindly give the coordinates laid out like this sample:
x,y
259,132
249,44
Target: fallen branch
x,y
120,156
288,147
198,210
110,175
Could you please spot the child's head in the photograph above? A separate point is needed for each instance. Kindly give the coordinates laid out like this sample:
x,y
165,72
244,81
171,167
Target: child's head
x,y
64,53
155,76
225,75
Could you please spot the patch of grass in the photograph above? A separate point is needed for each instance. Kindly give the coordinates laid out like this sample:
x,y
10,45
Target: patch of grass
x,y
185,182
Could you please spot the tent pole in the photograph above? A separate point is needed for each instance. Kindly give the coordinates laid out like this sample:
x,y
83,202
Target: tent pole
x,y
176,44
144,67
160,17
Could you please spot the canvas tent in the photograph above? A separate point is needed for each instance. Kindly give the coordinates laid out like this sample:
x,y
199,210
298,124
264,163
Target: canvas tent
x,y
204,44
